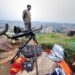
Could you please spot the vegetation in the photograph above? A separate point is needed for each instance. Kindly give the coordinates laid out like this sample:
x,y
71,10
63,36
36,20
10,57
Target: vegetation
x,y
67,42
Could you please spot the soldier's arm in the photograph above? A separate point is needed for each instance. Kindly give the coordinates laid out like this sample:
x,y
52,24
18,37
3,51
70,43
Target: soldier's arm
x,y
24,14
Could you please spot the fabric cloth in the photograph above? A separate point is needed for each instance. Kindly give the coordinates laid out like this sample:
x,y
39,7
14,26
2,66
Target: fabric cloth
x,y
28,26
58,71
53,57
57,53
65,66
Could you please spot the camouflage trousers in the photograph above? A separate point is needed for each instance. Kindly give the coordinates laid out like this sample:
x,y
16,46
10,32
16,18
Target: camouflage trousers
x,y
28,26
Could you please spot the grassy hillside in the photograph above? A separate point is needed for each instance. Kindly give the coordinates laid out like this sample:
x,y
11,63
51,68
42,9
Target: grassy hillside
x,y
68,42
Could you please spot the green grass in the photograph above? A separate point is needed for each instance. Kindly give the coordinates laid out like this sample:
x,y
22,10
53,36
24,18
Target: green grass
x,y
56,39
50,39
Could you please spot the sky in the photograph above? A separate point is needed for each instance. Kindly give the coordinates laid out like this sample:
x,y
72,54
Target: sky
x,y
42,10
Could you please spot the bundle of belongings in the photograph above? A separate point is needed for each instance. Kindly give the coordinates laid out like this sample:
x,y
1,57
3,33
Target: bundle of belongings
x,y
52,63
57,55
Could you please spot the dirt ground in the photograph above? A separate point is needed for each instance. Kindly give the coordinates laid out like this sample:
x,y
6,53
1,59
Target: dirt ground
x,y
4,69
4,62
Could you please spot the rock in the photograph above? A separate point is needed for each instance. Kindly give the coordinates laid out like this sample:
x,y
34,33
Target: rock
x,y
5,44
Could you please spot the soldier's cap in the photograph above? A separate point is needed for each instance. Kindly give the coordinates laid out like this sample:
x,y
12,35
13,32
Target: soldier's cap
x,y
28,5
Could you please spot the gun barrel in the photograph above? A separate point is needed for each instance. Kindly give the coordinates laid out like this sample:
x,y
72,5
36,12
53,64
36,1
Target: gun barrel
x,y
27,33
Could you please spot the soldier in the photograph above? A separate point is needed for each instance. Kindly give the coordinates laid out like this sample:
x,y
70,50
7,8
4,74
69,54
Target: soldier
x,y
27,17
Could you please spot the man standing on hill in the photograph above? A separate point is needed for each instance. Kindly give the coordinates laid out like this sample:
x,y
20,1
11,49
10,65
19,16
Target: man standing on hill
x,y
27,17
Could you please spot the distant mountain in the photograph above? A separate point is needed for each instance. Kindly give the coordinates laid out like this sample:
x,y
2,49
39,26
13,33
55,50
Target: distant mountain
x,y
51,26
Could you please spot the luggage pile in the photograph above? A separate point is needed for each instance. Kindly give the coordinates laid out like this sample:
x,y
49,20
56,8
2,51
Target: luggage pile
x,y
49,63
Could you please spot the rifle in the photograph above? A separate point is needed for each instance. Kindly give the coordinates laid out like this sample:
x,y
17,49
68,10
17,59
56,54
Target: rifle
x,y
31,35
